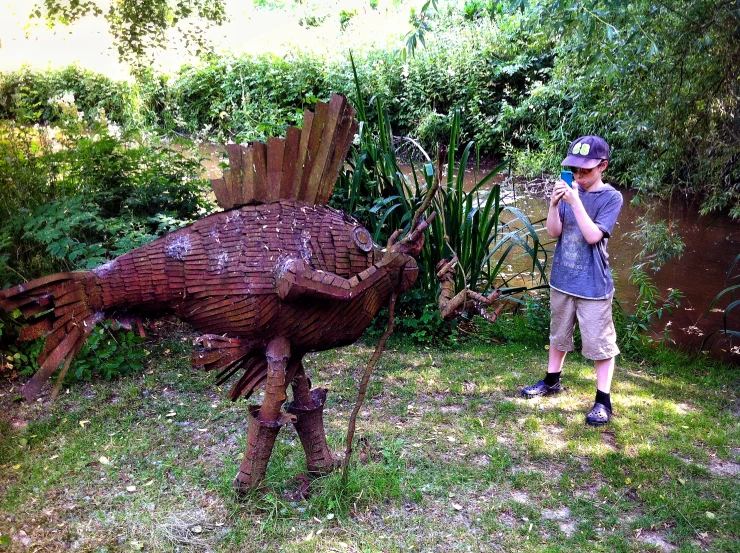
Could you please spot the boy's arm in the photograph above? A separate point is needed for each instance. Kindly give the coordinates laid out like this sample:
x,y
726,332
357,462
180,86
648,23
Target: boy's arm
x,y
590,231
554,225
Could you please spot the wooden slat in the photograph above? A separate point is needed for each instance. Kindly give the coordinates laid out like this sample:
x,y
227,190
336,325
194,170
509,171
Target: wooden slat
x,y
248,188
300,159
292,142
259,166
337,162
275,153
223,193
306,193
342,141
327,142
234,176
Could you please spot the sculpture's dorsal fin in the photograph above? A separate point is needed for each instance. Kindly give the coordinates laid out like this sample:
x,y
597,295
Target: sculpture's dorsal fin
x,y
302,166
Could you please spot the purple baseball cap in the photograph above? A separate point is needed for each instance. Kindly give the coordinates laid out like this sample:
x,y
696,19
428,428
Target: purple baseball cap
x,y
587,152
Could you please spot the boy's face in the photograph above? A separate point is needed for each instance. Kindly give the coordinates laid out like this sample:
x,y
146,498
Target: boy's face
x,y
590,178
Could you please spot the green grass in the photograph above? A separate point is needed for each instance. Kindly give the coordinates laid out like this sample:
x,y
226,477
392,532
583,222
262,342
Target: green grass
x,y
456,460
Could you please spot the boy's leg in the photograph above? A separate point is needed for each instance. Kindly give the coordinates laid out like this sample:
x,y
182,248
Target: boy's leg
x,y
551,383
599,344
562,322
604,374
555,360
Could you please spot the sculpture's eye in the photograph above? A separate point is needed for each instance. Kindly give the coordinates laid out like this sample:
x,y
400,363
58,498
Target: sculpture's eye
x,y
363,239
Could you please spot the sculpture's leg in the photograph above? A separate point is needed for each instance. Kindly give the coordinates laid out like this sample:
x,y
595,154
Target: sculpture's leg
x,y
265,420
308,407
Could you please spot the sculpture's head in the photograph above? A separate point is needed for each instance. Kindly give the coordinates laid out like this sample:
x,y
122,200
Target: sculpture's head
x,y
406,250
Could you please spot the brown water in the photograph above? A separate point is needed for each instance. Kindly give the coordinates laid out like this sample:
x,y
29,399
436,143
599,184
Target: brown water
x,y
711,245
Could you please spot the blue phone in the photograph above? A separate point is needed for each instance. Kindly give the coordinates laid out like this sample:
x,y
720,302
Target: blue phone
x,y
567,176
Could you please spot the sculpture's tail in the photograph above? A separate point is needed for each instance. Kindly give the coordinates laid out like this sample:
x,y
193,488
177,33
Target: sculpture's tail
x,y
228,356
58,306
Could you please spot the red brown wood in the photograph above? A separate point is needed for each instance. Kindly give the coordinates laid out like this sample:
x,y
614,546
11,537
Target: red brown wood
x,y
292,144
275,152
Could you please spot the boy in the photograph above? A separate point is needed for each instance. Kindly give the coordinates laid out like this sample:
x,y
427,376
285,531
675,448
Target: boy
x,y
582,219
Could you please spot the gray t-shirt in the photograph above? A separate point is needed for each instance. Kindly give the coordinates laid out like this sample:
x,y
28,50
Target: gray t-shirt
x,y
579,268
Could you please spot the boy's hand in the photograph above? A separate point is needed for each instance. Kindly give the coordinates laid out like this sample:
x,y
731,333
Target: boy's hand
x,y
558,193
564,192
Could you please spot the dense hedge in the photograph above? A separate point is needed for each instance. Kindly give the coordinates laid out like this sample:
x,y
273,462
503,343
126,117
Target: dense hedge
x,y
526,82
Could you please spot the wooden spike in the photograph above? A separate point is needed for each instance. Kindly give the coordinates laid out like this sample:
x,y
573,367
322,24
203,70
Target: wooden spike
x,y
37,330
300,159
234,177
307,193
223,193
342,142
327,143
259,166
292,141
248,192
275,153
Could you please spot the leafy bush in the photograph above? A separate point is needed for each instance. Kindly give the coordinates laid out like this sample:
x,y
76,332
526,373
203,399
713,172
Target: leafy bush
x,y
476,226
636,331
246,98
76,196
108,354
30,95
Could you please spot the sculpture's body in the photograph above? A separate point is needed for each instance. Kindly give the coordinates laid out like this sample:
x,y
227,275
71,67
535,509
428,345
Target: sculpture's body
x,y
264,283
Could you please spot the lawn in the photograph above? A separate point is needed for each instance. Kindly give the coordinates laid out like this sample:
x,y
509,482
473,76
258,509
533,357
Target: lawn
x,y
450,458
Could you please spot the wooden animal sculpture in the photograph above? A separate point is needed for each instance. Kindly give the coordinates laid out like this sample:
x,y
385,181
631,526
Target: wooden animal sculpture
x,y
274,276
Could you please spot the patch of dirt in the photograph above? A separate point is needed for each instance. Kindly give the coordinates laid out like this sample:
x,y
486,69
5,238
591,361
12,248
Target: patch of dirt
x,y
552,438
482,460
507,520
556,514
654,538
607,438
716,466
18,423
724,468
568,527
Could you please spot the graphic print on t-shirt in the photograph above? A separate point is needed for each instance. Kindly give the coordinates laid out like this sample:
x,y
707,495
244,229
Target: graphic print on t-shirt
x,y
574,247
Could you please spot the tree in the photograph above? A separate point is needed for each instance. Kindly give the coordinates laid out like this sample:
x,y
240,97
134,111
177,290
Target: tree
x,y
140,26
660,79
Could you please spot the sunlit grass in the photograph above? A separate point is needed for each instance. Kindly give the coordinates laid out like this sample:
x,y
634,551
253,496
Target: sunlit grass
x,y
454,459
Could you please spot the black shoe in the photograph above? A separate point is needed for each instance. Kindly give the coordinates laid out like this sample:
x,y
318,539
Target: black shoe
x,y
541,389
599,415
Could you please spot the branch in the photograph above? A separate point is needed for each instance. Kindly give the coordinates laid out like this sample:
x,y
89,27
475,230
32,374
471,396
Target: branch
x,y
364,383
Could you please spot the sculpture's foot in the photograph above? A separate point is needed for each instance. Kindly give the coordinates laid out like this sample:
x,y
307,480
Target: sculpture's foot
x,y
310,428
260,441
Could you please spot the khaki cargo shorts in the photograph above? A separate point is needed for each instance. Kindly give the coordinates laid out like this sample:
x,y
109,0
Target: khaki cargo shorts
x,y
594,321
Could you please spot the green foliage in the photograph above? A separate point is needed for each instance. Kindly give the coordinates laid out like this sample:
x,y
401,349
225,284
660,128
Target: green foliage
x,y
419,21
31,96
108,354
246,99
674,131
660,242
476,226
140,26
729,294
345,16
636,331
73,203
